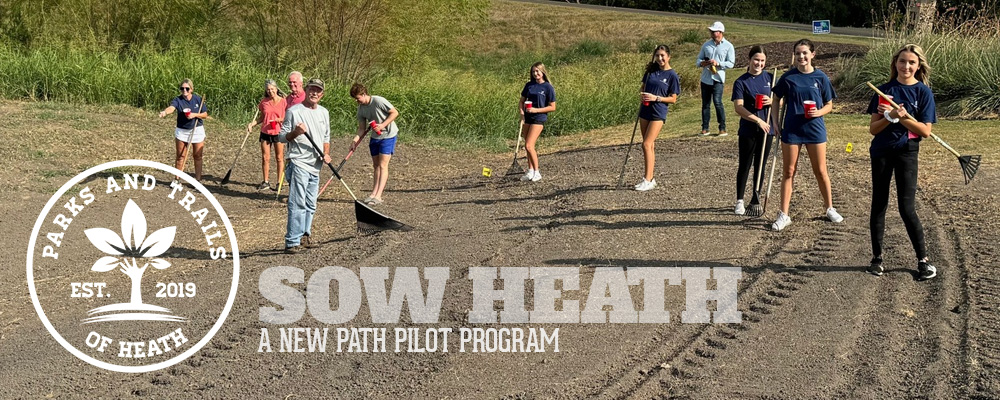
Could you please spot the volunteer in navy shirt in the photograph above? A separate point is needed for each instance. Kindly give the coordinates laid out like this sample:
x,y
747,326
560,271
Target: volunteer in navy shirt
x,y
191,111
754,130
660,87
542,95
800,84
894,151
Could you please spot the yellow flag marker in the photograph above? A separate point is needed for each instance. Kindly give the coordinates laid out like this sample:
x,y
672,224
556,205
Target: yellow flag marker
x,y
850,147
487,172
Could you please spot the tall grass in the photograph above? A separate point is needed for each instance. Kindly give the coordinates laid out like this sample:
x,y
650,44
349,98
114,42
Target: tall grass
x,y
965,68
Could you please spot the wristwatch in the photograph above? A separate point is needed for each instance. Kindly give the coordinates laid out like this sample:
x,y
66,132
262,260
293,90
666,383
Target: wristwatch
x,y
890,119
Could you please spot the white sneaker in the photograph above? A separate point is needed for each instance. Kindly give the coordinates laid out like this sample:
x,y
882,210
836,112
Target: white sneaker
x,y
646,185
782,221
832,214
528,176
740,209
537,177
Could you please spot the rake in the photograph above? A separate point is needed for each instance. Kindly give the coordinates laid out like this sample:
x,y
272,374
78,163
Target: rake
x,y
229,173
371,127
515,168
621,176
755,209
969,164
369,221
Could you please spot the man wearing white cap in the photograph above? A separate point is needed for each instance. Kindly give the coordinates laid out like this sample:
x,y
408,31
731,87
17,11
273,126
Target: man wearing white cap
x,y
716,56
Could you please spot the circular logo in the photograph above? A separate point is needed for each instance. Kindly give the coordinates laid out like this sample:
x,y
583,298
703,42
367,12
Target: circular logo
x,y
130,269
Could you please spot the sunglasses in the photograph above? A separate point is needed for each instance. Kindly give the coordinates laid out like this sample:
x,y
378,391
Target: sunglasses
x,y
184,89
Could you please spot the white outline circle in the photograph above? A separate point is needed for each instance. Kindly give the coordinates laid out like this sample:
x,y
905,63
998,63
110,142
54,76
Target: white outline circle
x,y
232,292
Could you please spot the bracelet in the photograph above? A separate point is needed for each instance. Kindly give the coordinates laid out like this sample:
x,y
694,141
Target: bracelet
x,y
890,119
657,99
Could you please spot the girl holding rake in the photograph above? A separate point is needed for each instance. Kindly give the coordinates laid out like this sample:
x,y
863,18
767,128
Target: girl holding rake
x,y
753,85
895,146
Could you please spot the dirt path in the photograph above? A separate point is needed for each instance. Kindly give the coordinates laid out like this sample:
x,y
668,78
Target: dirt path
x,y
814,324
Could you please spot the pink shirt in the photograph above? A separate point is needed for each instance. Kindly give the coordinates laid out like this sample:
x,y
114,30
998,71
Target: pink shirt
x,y
274,115
293,99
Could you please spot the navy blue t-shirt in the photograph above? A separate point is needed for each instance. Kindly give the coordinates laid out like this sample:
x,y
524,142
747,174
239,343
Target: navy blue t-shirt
x,y
917,99
796,87
747,87
662,83
180,104
540,95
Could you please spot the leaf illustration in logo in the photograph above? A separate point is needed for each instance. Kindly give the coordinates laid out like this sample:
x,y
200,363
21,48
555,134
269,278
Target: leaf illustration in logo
x,y
105,264
158,242
159,263
105,240
133,225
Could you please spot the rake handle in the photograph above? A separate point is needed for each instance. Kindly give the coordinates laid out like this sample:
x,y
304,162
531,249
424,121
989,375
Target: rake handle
x,y
335,172
187,145
245,137
894,105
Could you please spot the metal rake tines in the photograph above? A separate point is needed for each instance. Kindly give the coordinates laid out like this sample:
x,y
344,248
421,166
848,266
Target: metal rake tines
x,y
970,164
515,169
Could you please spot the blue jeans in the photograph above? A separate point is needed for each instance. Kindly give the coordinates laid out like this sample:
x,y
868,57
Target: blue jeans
x,y
303,189
712,93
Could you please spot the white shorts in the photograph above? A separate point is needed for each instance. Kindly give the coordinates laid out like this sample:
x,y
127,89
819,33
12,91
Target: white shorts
x,y
184,134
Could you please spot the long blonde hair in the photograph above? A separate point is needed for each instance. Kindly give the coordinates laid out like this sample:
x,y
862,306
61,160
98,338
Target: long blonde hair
x,y
541,68
923,74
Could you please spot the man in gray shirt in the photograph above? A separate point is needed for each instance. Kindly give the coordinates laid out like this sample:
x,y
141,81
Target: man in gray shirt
x,y
716,56
302,173
383,140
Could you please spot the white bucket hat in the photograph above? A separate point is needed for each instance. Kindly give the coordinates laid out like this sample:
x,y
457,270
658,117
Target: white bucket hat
x,y
717,27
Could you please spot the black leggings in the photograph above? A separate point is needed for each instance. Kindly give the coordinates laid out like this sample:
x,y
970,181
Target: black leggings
x,y
903,163
750,154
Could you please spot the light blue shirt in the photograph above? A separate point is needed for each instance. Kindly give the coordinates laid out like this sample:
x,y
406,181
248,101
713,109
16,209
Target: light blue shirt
x,y
299,150
723,53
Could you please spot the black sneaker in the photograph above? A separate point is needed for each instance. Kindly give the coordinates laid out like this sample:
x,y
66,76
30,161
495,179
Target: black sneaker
x,y
293,249
925,271
876,267
308,243
264,186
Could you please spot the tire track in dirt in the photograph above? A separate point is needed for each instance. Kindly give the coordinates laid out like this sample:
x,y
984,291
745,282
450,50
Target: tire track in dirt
x,y
678,374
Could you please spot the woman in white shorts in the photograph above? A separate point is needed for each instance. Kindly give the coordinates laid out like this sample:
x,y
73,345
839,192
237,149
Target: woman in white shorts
x,y
191,112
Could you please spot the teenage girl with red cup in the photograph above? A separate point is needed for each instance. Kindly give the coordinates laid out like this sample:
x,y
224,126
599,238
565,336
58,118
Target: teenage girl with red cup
x,y
538,98
895,146
271,114
801,127
660,87
752,99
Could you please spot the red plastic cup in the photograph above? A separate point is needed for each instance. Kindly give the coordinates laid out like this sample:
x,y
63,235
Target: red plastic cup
x,y
760,101
372,124
645,104
808,105
187,113
274,125
882,101
527,105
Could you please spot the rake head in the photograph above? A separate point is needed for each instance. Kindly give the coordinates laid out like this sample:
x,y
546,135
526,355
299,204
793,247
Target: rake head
x,y
754,210
970,164
371,221
515,169
225,179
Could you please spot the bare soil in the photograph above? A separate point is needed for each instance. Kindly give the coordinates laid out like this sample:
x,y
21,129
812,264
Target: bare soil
x,y
814,323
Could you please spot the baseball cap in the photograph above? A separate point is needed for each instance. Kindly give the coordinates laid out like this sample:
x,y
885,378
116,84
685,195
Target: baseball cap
x,y
315,82
717,27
